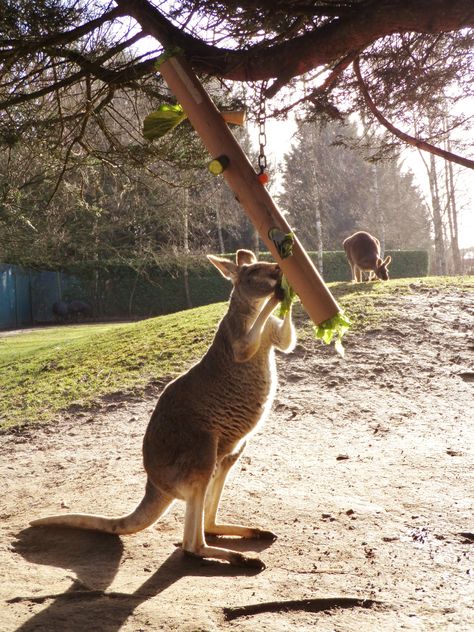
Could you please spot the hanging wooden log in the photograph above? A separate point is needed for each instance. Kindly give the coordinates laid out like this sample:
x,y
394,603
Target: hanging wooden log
x,y
249,191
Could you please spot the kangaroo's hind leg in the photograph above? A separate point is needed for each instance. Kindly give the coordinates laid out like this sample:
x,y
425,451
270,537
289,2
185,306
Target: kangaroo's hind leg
x,y
193,539
354,272
214,492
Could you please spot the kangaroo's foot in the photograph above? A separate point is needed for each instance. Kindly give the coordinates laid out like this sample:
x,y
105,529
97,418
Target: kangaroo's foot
x,y
233,557
250,533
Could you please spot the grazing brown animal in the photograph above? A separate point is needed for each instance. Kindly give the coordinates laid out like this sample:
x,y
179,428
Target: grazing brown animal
x,y
202,419
363,254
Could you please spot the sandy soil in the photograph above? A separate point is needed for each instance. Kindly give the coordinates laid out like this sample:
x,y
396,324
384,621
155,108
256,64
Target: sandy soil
x,y
364,469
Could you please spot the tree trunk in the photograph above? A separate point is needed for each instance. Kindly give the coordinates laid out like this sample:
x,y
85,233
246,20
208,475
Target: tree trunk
x,y
453,216
255,242
440,250
379,210
319,234
186,246
132,293
219,231
318,205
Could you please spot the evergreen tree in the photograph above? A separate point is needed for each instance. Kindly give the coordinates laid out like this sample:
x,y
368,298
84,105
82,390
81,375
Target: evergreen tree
x,y
324,178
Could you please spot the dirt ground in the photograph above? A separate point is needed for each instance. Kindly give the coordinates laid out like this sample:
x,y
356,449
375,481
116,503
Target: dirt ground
x,y
364,469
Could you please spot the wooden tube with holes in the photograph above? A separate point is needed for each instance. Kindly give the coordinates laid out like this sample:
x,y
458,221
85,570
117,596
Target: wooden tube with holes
x,y
252,195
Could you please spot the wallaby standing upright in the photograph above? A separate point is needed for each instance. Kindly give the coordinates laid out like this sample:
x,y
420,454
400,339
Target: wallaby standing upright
x,y
363,254
198,428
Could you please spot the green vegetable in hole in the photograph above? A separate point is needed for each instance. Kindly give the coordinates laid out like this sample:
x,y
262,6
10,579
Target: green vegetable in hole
x,y
162,120
289,296
283,242
333,329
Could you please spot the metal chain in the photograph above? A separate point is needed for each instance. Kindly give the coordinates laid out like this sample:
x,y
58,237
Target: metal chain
x,y
262,136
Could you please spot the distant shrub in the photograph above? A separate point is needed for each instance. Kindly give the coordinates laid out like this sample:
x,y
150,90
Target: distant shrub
x,y
138,290
408,263
405,263
335,266
118,289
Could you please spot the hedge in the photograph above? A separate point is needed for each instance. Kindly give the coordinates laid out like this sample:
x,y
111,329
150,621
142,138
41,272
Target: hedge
x,y
405,263
118,290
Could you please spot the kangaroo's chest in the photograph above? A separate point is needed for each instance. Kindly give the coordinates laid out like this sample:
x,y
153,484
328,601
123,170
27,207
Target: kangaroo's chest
x,y
241,402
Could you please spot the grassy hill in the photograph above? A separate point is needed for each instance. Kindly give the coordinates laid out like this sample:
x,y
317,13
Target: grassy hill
x,y
48,370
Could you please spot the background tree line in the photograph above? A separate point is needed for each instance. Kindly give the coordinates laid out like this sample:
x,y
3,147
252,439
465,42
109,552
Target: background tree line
x,y
330,191
121,198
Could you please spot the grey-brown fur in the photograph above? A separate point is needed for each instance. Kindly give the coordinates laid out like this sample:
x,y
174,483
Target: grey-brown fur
x,y
202,419
363,254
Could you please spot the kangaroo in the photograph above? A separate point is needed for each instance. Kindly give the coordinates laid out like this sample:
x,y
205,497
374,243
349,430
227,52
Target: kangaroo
x,y
363,254
202,419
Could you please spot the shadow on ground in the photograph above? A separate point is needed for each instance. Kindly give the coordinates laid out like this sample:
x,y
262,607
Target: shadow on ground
x,y
95,558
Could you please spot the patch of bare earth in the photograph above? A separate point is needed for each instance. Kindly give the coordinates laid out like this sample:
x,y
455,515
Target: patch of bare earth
x,y
364,469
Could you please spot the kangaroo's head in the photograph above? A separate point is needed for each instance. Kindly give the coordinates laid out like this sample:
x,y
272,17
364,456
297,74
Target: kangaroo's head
x,y
382,268
253,280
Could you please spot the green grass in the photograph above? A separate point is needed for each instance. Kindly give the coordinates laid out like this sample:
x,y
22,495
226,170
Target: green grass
x,y
46,371
16,348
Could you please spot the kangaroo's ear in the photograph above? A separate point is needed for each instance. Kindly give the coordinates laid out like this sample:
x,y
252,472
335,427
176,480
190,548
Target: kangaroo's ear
x,y
379,262
227,268
245,257
387,260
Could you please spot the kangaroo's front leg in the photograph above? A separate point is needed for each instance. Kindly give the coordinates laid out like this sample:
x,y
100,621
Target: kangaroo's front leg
x,y
247,346
283,333
214,492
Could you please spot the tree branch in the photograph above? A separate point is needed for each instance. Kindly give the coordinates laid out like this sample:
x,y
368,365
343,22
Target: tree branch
x,y
31,45
359,28
23,98
96,67
410,140
112,77
327,84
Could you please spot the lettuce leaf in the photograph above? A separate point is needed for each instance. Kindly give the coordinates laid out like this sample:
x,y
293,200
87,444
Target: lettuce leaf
x,y
289,297
334,329
162,121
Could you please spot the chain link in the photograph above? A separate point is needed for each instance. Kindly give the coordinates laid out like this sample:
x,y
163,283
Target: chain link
x,y
262,136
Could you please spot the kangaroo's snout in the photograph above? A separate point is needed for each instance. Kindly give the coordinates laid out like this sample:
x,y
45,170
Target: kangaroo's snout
x,y
276,272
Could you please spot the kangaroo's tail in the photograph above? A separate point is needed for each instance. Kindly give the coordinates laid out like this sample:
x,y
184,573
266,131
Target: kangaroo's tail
x,y
154,504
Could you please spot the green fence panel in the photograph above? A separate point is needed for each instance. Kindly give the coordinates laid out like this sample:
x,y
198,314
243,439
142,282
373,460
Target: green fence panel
x,y
7,297
45,291
24,313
